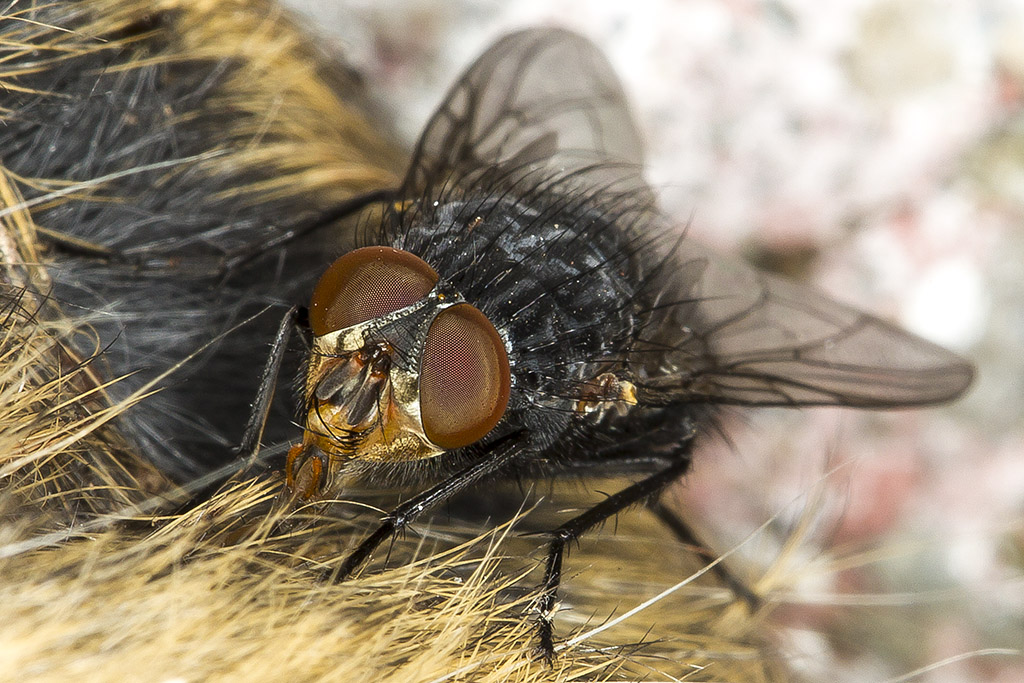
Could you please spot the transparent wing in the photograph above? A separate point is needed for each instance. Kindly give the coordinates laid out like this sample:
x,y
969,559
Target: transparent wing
x,y
542,102
726,333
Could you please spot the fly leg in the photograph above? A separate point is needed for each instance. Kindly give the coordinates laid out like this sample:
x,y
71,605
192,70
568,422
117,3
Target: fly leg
x,y
297,317
574,528
77,246
225,264
248,449
685,534
499,454
349,207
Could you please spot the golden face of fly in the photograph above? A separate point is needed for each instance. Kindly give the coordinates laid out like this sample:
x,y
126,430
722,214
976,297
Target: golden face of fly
x,y
401,369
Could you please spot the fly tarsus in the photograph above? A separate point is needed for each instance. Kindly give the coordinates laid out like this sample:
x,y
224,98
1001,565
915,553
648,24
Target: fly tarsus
x,y
682,531
388,528
575,527
349,207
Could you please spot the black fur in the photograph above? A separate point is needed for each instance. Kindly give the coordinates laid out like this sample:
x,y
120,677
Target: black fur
x,y
163,292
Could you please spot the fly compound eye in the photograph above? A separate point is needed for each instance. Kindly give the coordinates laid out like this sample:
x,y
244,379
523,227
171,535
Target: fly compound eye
x,y
365,284
464,378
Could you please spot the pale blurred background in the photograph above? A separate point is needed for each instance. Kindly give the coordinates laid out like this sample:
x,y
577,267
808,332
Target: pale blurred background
x,y
875,149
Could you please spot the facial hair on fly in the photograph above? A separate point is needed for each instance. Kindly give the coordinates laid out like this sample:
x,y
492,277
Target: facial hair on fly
x,y
523,308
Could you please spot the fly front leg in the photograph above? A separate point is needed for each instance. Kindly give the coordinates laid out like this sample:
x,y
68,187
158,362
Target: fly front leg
x,y
245,460
229,262
77,246
296,318
341,211
574,528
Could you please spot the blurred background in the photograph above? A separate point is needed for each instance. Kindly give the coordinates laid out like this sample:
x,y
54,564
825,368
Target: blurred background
x,y
876,150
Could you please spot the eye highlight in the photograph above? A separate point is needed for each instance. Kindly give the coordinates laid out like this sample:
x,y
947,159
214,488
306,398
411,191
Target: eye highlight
x,y
365,284
464,378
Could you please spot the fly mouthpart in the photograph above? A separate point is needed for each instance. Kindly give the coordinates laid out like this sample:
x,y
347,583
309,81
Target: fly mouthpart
x,y
306,470
350,392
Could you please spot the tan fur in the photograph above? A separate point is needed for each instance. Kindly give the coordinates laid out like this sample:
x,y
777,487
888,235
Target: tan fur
x,y
100,581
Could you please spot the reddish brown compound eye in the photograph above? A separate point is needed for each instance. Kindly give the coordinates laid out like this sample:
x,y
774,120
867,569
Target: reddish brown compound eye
x,y
365,284
464,378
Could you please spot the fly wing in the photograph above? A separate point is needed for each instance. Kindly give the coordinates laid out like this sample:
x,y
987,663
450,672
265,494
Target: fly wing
x,y
540,103
542,111
725,333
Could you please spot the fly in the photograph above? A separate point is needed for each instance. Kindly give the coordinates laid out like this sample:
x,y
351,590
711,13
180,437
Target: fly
x,y
523,307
